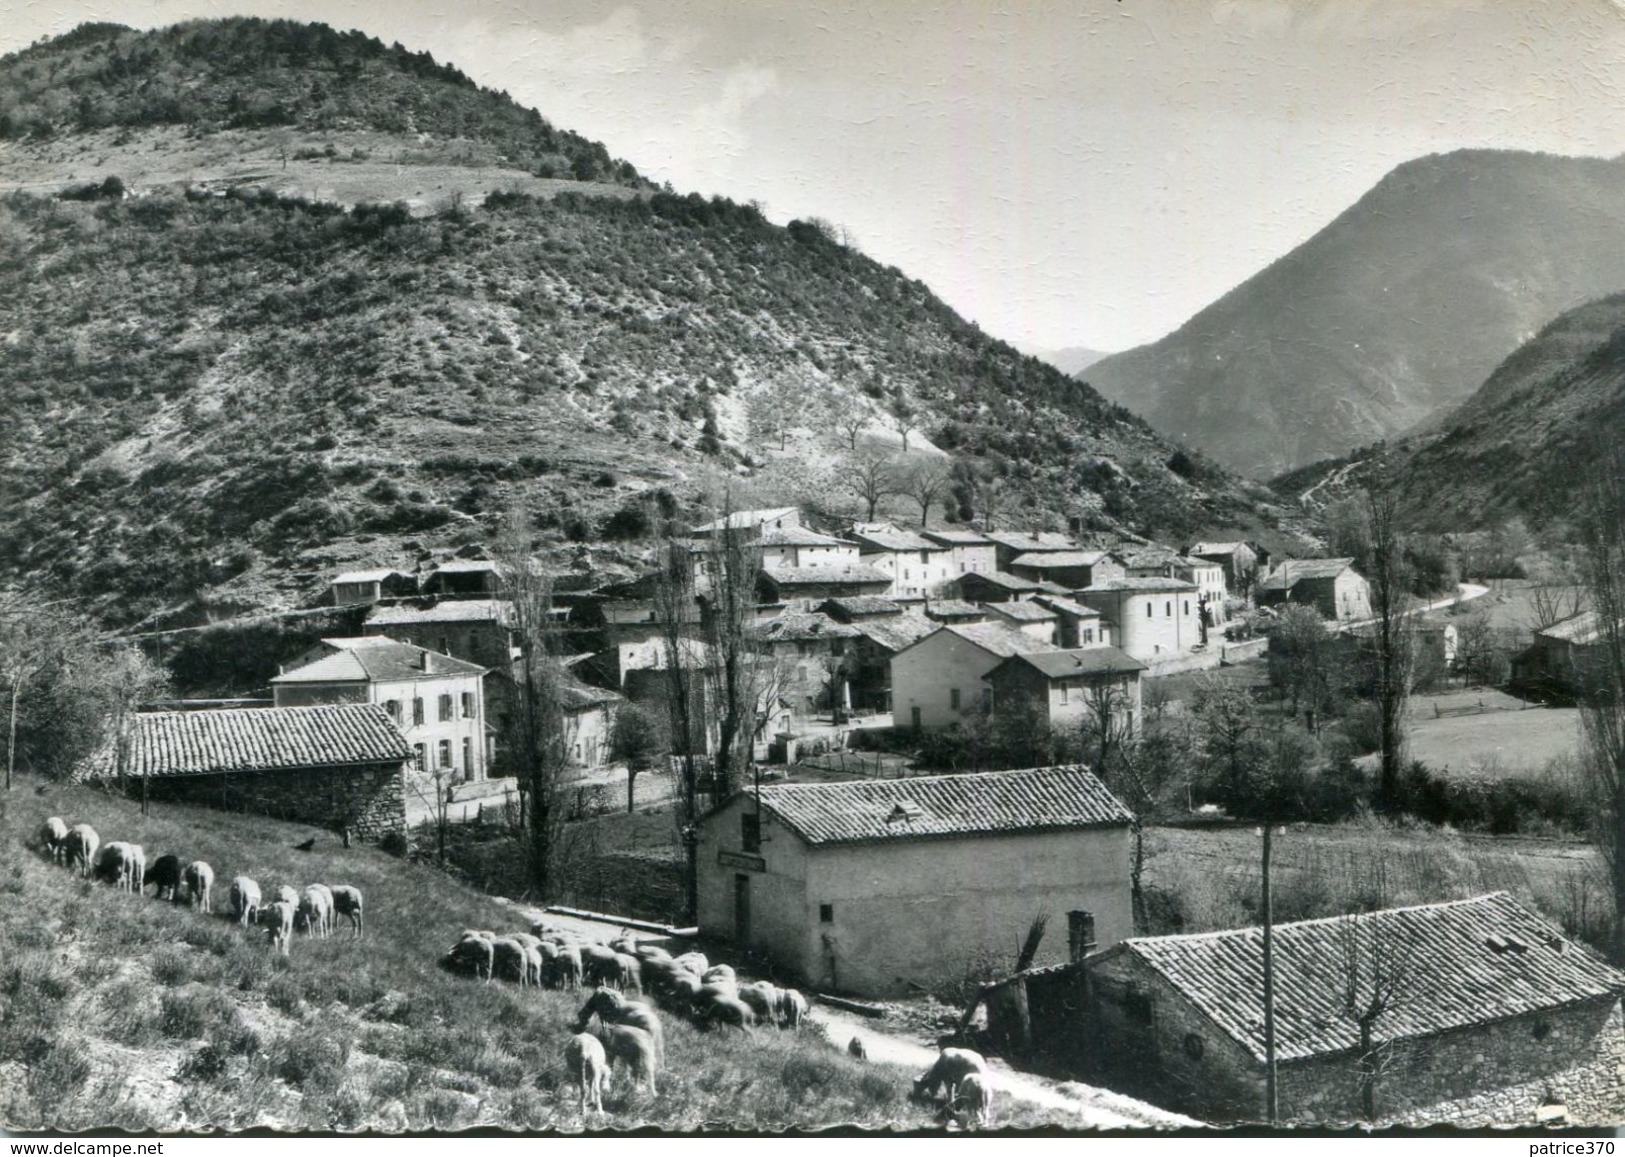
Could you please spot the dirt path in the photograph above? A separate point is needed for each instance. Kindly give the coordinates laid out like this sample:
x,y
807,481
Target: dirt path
x,y
1094,1108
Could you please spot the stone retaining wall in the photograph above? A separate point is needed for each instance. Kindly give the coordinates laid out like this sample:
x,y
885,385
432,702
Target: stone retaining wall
x,y
368,799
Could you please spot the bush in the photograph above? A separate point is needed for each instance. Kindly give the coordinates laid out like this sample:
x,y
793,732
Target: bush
x,y
1514,805
310,1062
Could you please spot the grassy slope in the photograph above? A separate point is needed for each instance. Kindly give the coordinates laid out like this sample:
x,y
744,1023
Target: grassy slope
x,y
130,1012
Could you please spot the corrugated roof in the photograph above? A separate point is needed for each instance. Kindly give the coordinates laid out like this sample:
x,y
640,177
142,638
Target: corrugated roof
x,y
389,663
259,739
1022,612
1060,558
1290,572
945,806
1461,963
1077,661
851,575
450,611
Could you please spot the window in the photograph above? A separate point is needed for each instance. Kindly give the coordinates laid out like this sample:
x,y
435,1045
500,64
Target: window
x,y
750,831
1168,609
1193,1046
445,647
417,711
1185,607
417,756
1148,610
1089,636
468,704
826,913
1066,693
445,753
953,699
393,706
446,713
468,756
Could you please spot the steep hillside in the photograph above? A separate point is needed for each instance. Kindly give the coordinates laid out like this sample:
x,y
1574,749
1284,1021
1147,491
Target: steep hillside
x,y
1401,306
217,392
1518,445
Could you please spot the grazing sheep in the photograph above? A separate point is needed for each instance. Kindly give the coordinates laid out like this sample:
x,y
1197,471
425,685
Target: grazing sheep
x,y
720,974
166,873
659,975
82,844
199,879
624,943
567,965
683,989
598,965
316,911
949,1070
586,1063
278,921
510,962
725,1010
285,894
120,864
137,868
622,1042
762,997
526,939
694,962
791,1008
628,973
245,900
347,902
612,1008
974,1099
535,965
54,835
647,952
855,1049
472,955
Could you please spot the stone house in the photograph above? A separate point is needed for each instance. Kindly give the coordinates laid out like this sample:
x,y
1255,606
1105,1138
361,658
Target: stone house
x,y
917,566
1028,616
937,681
474,630
1486,994
437,702
998,587
1211,593
1557,655
856,608
954,611
810,652
368,586
589,722
802,588
1070,569
1148,560
969,552
878,640
1076,625
1153,619
1242,562
881,887
1008,545
752,523
1065,688
338,766
1331,585
796,546
464,578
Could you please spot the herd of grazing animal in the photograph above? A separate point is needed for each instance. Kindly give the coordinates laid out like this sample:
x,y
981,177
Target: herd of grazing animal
x,y
125,866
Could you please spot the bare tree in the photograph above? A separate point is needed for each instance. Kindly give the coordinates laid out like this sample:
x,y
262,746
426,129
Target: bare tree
x,y
1303,658
734,646
1599,674
904,417
675,606
1376,974
1394,645
533,727
851,417
872,476
924,479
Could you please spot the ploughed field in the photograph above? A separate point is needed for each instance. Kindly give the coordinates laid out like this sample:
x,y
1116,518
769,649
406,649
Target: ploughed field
x,y
123,1010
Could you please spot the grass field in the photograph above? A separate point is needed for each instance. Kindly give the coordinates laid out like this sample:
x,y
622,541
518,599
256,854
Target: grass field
x,y
127,1012
1496,743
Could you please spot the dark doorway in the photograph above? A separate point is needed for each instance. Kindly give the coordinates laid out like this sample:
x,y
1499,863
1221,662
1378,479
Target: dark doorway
x,y
742,909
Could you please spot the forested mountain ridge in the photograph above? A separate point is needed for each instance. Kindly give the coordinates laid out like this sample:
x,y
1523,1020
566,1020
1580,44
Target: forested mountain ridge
x,y
216,393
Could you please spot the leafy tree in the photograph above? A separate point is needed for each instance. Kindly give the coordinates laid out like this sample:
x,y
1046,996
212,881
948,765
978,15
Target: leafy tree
x,y
640,740
1393,639
1305,661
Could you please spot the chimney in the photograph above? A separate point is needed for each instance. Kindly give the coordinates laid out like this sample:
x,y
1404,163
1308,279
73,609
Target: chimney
x,y
1080,934
428,660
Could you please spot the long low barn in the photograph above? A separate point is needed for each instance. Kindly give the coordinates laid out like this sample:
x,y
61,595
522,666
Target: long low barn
x,y
333,766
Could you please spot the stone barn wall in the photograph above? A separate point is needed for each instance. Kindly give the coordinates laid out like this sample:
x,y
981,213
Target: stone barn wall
x,y
368,799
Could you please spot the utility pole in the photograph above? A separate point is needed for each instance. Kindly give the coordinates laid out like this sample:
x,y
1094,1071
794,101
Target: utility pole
x,y
1271,1105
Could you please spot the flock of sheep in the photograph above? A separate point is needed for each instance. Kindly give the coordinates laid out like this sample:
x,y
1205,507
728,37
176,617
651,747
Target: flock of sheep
x,y
620,972
125,866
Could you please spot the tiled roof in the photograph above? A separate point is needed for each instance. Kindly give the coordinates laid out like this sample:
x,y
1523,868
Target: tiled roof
x,y
999,639
798,536
1059,558
1204,548
957,537
1065,606
466,566
1292,571
893,540
1461,963
1078,661
1143,583
741,519
390,663
577,695
450,611
861,606
259,739
367,576
999,579
1030,540
952,609
1022,612
939,806
895,632
856,575
1137,557
1581,628
799,626
350,644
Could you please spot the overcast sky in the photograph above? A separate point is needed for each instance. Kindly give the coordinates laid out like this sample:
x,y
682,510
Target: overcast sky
x,y
1083,172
